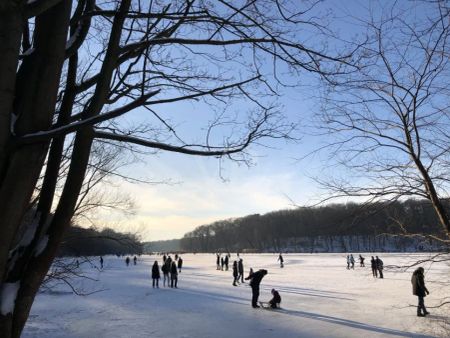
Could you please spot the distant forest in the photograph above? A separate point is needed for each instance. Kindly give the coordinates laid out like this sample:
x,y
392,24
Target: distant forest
x,y
89,242
335,227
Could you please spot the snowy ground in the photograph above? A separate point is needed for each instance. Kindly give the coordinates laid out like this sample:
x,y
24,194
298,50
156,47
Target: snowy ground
x,y
320,298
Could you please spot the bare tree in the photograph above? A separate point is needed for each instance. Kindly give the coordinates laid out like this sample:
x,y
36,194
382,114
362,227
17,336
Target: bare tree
x,y
390,120
70,70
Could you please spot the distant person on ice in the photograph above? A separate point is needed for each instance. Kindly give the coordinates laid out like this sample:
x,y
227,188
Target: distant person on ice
x,y
173,275
101,262
155,274
361,261
222,262
255,280
276,299
127,261
180,264
165,270
373,264
241,270
235,273
227,258
134,260
280,258
379,264
352,261
420,290
217,261
348,262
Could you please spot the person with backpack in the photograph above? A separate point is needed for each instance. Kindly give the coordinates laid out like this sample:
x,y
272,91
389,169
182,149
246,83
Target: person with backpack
x,y
379,265
173,275
155,274
255,281
420,290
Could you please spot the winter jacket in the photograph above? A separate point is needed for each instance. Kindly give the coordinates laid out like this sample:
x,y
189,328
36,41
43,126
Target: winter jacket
x,y
235,270
275,300
256,277
241,267
180,263
173,269
155,272
165,268
379,263
418,284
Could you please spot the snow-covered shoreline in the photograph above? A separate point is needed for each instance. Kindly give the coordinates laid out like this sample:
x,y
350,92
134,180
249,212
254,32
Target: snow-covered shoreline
x,y
320,298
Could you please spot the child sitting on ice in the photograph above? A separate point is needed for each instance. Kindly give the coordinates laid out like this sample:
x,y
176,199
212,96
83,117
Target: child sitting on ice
x,y
276,299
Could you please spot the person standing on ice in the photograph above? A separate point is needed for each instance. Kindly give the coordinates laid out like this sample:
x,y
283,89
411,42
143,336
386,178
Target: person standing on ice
x,y
373,264
222,263
165,270
217,261
280,258
352,261
255,280
361,261
134,260
173,275
241,270
226,262
164,258
101,262
420,290
155,274
180,264
379,265
235,273
127,261
348,262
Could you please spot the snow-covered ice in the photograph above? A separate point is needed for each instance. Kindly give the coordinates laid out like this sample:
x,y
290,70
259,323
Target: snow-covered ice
x,y
320,298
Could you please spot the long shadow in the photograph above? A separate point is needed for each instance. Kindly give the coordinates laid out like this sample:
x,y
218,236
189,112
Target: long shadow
x,y
309,292
352,323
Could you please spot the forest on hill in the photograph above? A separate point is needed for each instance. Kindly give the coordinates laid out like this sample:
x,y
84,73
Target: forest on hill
x,y
391,226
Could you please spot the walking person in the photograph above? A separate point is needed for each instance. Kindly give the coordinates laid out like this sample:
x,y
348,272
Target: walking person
x,y
165,270
280,258
235,273
352,261
348,262
173,275
101,262
255,281
379,264
373,264
180,264
420,290
241,270
155,275
361,261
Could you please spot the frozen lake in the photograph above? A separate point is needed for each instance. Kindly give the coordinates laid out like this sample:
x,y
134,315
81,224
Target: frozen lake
x,y
320,298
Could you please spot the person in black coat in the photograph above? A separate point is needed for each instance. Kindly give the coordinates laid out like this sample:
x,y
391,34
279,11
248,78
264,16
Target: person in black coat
x,y
173,275
226,262
280,258
241,270
218,261
155,274
255,280
180,264
379,266
235,273
373,264
276,299
222,262
420,290
165,269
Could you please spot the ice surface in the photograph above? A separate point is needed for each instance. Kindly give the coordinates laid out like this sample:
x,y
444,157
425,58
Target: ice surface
x,y
320,298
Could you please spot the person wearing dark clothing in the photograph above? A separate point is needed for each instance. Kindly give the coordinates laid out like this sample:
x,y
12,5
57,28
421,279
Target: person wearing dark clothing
x,y
127,261
222,263
180,264
373,264
379,264
348,262
241,270
226,262
164,258
361,261
173,275
134,260
165,269
101,262
352,261
235,273
280,258
217,261
255,280
420,290
176,256
155,274
276,299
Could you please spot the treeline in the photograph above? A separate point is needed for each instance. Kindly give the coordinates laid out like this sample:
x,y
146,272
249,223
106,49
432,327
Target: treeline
x,y
89,242
277,230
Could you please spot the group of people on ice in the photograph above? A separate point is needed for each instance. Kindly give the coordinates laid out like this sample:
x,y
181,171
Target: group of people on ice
x,y
170,270
376,264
